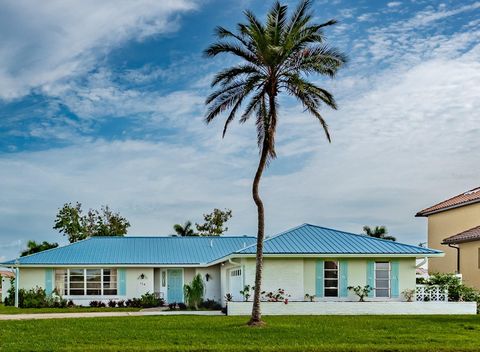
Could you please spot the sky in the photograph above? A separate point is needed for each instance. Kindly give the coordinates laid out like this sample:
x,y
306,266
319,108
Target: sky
x,y
103,103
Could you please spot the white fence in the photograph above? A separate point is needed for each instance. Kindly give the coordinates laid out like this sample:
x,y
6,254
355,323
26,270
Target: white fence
x,y
431,293
354,308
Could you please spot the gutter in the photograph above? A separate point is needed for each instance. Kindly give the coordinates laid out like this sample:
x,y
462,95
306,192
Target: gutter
x,y
458,256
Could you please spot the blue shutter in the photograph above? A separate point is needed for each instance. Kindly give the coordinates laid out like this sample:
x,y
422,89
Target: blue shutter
x,y
394,266
48,281
122,282
319,278
371,276
343,282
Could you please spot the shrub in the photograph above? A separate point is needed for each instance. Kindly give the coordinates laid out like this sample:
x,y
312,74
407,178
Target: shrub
x,y
246,292
182,306
211,304
408,294
112,303
194,292
101,304
70,304
361,291
94,304
309,297
172,306
121,304
149,300
277,296
228,297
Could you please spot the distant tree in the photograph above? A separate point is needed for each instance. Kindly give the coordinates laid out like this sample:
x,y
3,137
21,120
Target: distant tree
x,y
34,247
214,223
71,222
185,230
378,232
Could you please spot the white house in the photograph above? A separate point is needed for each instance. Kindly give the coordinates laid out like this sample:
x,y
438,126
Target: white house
x,y
307,259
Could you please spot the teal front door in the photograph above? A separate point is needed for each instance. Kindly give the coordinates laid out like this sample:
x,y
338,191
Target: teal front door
x,y
175,285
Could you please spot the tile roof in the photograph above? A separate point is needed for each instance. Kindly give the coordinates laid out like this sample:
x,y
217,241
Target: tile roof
x,y
471,196
465,236
312,239
140,250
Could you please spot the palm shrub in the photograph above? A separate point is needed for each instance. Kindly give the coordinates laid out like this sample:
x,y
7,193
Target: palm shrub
x,y
276,58
194,292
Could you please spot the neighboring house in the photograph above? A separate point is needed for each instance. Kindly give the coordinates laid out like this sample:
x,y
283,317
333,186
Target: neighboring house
x,y
307,259
454,227
5,277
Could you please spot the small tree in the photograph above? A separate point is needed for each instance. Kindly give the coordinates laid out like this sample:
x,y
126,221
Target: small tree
x,y
34,247
214,223
194,292
71,222
361,291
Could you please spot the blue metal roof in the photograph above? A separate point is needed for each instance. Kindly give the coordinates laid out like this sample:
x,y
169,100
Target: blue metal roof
x,y
140,250
305,239
312,239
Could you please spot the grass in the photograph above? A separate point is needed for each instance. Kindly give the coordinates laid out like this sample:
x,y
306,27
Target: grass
x,y
202,333
13,310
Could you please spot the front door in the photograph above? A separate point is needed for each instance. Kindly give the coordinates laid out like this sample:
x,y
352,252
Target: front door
x,y
175,285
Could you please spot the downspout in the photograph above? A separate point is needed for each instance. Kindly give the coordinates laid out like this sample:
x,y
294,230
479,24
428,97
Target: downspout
x,y
421,263
17,282
458,256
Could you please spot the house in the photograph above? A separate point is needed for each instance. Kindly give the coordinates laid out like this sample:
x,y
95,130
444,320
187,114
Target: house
x,y
307,259
5,277
454,228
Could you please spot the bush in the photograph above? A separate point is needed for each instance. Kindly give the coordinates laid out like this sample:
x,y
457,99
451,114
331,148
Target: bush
x,y
182,306
70,304
211,304
361,291
149,300
112,303
172,306
94,304
194,292
121,304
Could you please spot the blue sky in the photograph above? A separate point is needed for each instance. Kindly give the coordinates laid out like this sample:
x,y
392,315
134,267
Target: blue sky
x,y
102,103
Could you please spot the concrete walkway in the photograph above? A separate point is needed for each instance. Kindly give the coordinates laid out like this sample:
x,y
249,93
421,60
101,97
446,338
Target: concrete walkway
x,y
105,314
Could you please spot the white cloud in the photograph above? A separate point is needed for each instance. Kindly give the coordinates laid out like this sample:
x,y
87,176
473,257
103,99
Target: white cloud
x,y
394,4
47,43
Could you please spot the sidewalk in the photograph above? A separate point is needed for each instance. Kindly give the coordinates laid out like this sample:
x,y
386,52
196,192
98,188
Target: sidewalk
x,y
104,314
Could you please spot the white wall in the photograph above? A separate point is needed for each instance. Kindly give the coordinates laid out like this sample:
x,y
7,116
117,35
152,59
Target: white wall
x,y
136,286
354,308
31,278
212,286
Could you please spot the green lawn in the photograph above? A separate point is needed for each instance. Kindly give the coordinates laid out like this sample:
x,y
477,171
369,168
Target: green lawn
x,y
219,333
13,310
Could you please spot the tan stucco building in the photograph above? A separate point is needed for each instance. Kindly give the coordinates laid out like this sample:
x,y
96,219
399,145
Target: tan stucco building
x,y
454,227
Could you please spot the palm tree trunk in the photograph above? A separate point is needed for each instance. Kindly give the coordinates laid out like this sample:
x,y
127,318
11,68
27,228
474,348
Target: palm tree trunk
x,y
256,318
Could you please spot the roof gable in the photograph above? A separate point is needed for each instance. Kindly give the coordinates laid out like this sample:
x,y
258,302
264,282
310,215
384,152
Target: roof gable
x,y
469,197
312,239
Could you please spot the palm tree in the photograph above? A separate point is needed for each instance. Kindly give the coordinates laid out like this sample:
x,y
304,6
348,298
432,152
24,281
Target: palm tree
x,y
276,57
185,230
34,247
378,232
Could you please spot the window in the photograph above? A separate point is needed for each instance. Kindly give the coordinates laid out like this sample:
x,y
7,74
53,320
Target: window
x,y
330,279
86,282
382,279
236,272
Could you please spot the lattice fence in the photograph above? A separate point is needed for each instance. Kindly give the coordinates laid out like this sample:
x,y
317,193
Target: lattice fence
x,y
433,293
